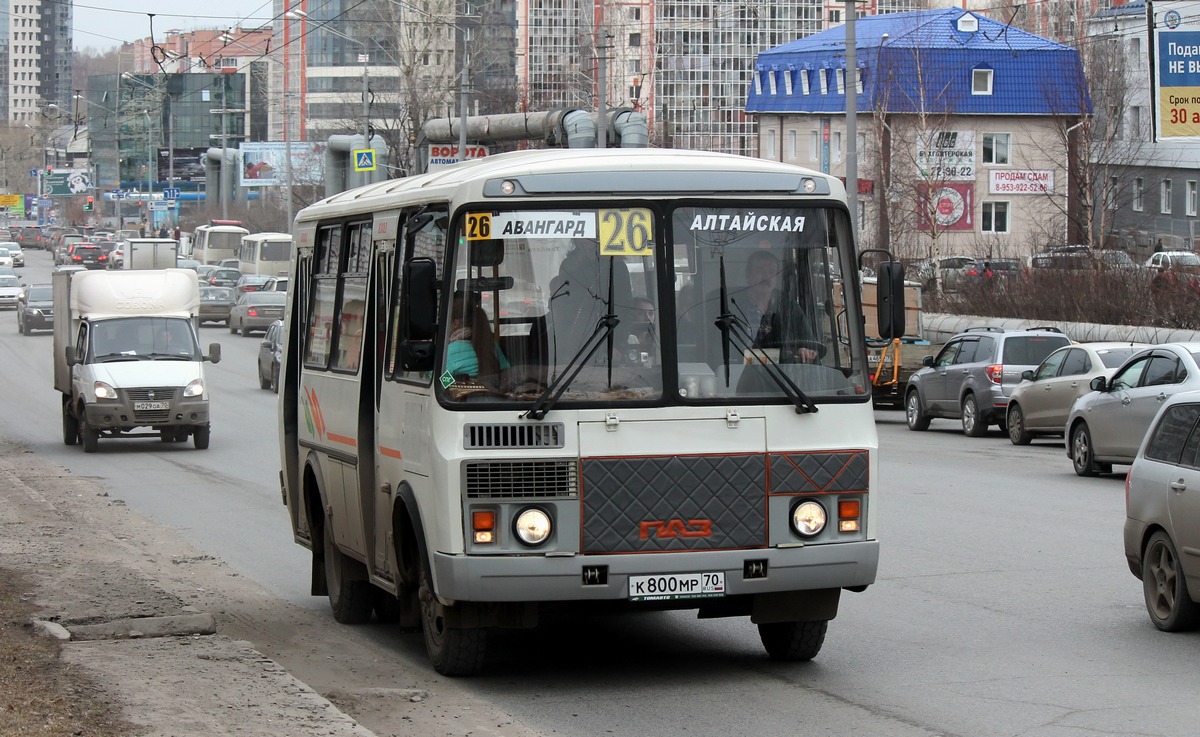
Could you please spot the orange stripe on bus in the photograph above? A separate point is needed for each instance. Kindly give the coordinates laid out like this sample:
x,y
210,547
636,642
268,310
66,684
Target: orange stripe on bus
x,y
389,452
343,439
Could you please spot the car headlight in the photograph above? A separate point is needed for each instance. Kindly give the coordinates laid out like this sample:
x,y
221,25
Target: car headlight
x,y
194,389
33,312
532,526
104,391
808,518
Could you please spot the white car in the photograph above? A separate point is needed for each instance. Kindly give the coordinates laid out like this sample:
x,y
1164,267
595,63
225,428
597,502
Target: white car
x,y
10,291
1107,425
14,250
6,258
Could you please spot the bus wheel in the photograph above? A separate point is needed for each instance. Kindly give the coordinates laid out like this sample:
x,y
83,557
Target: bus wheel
x,y
453,652
793,641
349,589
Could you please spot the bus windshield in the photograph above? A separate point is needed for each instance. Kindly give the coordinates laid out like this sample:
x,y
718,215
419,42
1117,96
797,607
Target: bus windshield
x,y
591,306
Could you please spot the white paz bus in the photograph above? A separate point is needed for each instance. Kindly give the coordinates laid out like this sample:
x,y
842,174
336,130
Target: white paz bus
x,y
269,254
607,379
217,241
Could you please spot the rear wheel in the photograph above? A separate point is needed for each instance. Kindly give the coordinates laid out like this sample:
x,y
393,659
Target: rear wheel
x,y
245,332
70,427
275,379
200,437
913,413
1168,603
793,641
1082,457
972,424
233,330
350,595
1016,426
453,652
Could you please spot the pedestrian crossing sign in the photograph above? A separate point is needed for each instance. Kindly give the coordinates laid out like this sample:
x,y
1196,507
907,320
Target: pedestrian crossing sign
x,y
364,159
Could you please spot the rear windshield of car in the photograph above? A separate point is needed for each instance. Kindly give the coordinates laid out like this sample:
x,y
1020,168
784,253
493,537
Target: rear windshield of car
x,y
1114,357
1030,350
213,294
227,274
266,298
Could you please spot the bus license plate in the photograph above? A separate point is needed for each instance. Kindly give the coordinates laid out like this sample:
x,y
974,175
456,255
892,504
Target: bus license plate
x,y
144,406
677,586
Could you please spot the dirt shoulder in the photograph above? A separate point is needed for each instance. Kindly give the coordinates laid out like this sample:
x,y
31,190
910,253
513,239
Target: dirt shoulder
x,y
76,558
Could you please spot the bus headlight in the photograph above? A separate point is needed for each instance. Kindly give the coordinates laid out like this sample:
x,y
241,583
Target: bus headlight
x,y
104,391
808,518
532,526
194,389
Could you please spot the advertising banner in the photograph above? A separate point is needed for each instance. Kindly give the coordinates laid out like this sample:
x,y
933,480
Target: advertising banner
x,y
442,155
946,156
264,163
952,206
66,182
188,164
1177,69
1020,181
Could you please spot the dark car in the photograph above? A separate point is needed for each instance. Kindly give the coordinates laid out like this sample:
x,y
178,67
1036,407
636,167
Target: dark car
x,y
270,354
250,283
256,311
974,375
62,247
224,277
89,255
35,309
215,304
30,237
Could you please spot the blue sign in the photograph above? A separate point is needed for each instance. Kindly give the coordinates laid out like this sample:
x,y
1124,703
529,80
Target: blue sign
x,y
171,193
364,159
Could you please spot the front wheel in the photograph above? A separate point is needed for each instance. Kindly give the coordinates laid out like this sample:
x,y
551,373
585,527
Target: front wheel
x,y
453,652
200,437
793,641
263,381
914,414
1168,602
972,424
1082,457
1016,426
89,437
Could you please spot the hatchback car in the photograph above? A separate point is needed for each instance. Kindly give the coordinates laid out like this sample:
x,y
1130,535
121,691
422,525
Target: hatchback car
x,y
1107,425
10,291
30,237
35,309
224,277
276,284
256,311
216,303
1174,261
1162,515
270,355
974,374
250,283
88,255
953,271
1041,402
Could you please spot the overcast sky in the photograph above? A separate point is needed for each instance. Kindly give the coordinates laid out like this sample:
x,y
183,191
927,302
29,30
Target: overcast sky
x,y
105,24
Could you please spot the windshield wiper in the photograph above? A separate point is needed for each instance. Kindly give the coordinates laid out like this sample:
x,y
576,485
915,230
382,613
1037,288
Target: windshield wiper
x,y
602,333
735,330
114,357
169,356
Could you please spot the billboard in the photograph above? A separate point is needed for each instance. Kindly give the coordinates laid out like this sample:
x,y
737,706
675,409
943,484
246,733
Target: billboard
x,y
946,156
188,164
264,163
66,182
1176,49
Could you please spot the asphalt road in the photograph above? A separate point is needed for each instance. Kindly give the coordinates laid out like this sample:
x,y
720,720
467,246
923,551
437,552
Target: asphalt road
x,y
1003,606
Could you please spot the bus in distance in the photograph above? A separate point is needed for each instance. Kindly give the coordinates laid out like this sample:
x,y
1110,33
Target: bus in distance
x,y
269,254
217,241
613,380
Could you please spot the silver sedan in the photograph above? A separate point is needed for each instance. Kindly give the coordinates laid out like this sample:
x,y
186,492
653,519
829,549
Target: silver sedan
x,y
1107,425
1039,405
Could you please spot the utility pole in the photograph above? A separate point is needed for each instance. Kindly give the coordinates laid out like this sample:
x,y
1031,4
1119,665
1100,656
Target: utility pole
x,y
602,48
463,86
851,118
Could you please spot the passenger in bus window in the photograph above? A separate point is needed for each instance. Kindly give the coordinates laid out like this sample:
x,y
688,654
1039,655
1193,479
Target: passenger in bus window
x,y
758,304
472,351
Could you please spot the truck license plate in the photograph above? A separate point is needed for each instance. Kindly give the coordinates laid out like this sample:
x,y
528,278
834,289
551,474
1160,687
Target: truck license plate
x,y
143,406
677,586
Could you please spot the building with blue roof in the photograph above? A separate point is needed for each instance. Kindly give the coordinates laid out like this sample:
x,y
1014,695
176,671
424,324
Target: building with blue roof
x,y
963,128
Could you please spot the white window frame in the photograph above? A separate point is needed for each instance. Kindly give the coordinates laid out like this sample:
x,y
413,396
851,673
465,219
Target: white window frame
x,y
858,80
995,138
787,82
771,145
758,83
1139,194
1164,197
1110,194
836,145
804,81
814,146
772,82
987,213
1193,198
839,79
824,81
792,144
981,81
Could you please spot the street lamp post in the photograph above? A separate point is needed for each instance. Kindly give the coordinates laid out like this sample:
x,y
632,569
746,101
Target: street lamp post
x,y
363,57
149,167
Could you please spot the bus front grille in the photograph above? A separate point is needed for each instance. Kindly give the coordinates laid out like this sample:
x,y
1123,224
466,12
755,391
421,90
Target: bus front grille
x,y
549,435
550,479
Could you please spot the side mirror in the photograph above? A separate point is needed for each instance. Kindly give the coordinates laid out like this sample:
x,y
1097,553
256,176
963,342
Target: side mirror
x,y
70,353
927,361
890,293
1027,375
1099,384
214,353
416,349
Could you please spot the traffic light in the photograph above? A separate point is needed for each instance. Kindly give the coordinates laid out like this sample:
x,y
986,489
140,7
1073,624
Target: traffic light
x,y
91,203
49,169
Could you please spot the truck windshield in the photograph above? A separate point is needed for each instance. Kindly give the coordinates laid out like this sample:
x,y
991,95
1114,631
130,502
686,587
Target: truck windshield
x,y
144,338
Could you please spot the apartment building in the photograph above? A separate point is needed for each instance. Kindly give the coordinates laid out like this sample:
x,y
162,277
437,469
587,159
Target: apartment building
x,y
35,57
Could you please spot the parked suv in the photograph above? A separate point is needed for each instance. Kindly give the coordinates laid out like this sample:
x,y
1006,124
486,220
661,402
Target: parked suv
x,y
974,374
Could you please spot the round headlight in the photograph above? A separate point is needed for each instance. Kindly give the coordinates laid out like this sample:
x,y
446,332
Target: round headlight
x,y
808,518
532,526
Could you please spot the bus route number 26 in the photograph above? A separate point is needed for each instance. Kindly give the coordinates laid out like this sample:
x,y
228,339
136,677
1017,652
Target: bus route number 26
x,y
625,232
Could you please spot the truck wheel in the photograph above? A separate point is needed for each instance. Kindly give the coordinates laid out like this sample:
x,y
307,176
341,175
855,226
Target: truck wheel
x,y
350,595
972,424
453,652
913,413
89,437
793,641
200,437
70,427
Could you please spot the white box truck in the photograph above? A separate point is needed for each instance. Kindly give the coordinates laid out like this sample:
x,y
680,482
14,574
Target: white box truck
x,y
127,356
151,253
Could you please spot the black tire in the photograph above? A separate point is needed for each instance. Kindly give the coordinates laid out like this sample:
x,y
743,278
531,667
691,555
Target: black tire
x,y
1168,602
275,379
350,595
245,332
200,437
167,435
1016,426
232,329
972,424
1082,454
70,427
914,414
89,437
264,382
453,652
22,326
793,641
